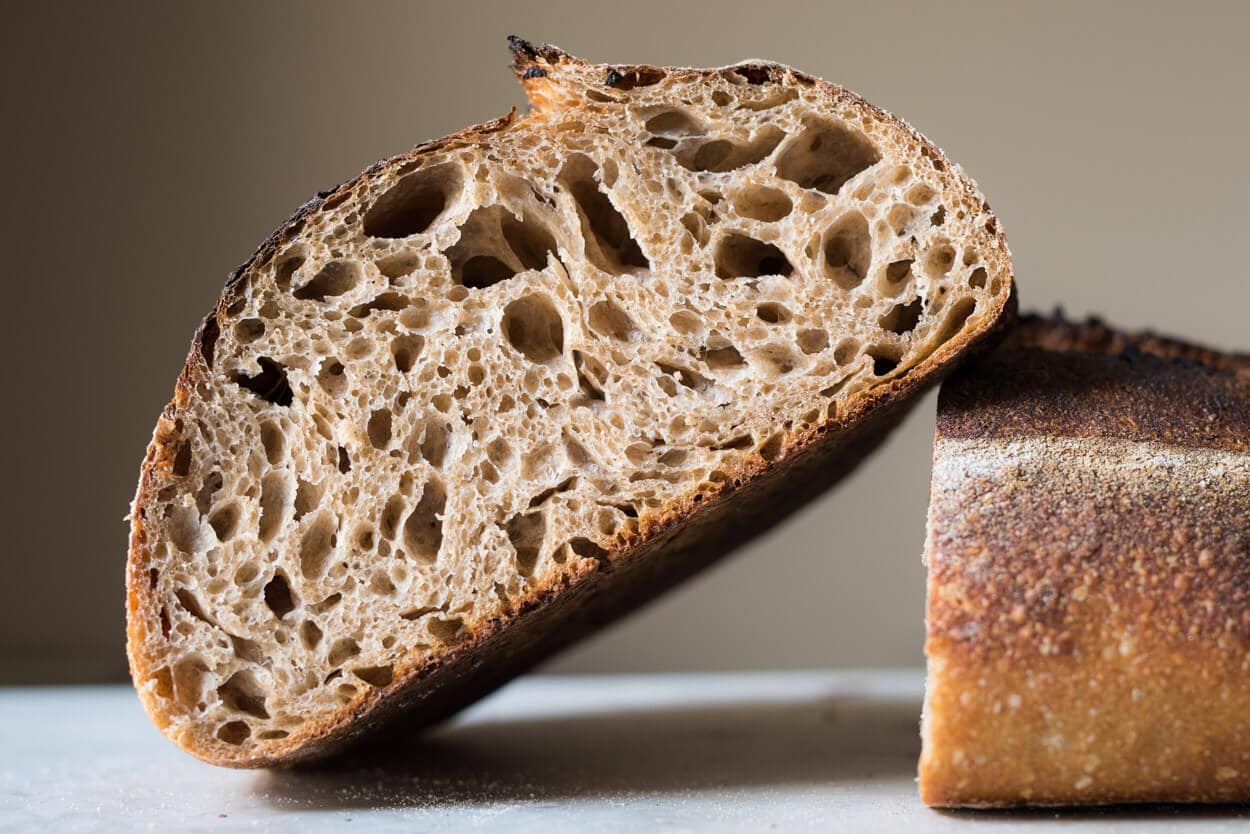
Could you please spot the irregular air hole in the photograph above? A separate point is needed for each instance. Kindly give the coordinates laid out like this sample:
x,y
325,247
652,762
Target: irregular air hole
x,y
417,613
204,498
270,384
192,605
903,318
410,206
739,256
759,202
391,301
225,521
724,357
526,533
846,350
533,326
530,241
584,548
307,497
434,443
446,631
883,361
672,123
246,650
316,544
278,596
332,377
291,260
589,376
813,340
938,217
243,693
335,278
977,278
273,495
309,634
609,242
375,675
423,531
825,155
607,319
938,261
343,649
181,466
662,143
956,317
379,428
482,271
398,265
773,313
234,732
898,271
344,461
848,250
405,350
771,449
720,155
273,441
248,330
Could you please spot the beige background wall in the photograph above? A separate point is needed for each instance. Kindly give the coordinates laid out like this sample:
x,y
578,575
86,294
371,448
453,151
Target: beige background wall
x,y
147,151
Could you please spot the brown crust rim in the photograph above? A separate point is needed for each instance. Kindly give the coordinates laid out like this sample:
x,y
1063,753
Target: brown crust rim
x,y
813,453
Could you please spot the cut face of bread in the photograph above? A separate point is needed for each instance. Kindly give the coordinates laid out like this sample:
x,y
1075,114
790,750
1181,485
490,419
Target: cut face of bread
x,y
496,390
1089,574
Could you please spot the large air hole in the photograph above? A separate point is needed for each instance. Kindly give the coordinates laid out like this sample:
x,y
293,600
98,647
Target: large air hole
x,y
273,497
884,360
270,384
825,155
423,531
608,319
242,693
533,326
740,256
723,358
529,240
759,202
278,596
335,278
903,318
317,544
672,123
848,250
405,350
720,155
609,242
225,521
379,428
411,205
526,533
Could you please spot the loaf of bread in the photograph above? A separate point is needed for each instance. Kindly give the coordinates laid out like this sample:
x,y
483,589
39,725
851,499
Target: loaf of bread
x,y
1089,574
497,390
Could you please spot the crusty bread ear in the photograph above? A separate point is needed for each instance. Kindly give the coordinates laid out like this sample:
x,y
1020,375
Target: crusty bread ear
x,y
496,390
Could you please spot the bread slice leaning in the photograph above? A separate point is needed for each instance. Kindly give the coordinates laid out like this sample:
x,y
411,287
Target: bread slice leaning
x,y
1089,574
499,389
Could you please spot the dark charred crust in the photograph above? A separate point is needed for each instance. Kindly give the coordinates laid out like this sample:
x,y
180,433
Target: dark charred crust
x,y
526,55
630,77
534,72
613,78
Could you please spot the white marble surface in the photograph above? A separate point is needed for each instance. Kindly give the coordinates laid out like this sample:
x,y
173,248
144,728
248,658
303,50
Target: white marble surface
x,y
799,752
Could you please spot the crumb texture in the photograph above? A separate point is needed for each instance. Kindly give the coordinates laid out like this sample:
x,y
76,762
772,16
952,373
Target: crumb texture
x,y
488,363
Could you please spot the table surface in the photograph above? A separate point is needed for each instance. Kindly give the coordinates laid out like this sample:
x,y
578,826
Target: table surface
x,y
794,751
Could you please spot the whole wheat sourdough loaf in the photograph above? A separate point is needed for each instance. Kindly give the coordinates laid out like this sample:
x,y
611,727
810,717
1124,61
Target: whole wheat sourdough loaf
x,y
1089,574
501,388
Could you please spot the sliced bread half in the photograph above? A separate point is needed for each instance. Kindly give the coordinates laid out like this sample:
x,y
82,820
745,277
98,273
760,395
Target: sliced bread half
x,y
499,389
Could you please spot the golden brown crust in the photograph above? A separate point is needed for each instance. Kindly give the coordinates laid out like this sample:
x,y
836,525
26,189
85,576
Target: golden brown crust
x,y
690,534
1089,575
